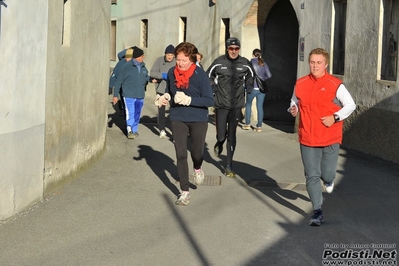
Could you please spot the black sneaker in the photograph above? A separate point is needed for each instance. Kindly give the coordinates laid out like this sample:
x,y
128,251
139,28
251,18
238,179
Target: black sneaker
x,y
217,149
317,218
229,171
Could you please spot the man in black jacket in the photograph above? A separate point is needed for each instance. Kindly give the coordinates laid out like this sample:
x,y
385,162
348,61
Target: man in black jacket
x,y
230,75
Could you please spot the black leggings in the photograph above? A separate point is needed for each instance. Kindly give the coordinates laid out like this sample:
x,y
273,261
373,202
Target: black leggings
x,y
226,128
180,131
161,118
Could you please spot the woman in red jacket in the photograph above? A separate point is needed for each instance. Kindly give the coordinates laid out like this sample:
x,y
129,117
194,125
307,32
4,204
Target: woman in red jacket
x,y
323,103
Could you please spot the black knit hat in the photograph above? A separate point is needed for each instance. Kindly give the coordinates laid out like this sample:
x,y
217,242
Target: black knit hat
x,y
233,41
137,52
170,49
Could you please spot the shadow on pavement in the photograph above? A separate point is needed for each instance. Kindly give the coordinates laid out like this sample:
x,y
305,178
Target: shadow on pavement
x,y
117,118
355,214
160,164
251,175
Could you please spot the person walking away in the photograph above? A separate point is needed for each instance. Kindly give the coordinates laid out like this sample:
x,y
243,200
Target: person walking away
x,y
159,72
323,102
133,78
199,59
261,70
190,95
229,75
123,56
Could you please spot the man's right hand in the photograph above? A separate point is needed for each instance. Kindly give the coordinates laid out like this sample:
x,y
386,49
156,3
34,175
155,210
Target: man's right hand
x,y
115,100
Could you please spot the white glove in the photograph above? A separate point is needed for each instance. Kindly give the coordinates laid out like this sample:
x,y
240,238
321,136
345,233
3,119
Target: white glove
x,y
182,98
157,100
162,100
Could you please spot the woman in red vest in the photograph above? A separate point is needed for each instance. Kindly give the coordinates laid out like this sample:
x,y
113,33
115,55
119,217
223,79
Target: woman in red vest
x,y
323,103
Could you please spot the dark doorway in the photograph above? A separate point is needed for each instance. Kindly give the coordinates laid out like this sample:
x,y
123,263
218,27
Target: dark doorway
x,y
279,43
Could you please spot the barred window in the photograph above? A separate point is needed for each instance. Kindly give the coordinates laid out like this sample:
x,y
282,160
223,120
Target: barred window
x,y
182,29
338,54
144,33
389,42
113,41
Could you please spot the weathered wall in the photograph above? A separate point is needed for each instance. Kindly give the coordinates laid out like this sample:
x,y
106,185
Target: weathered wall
x,y
22,105
117,15
374,127
77,86
53,109
203,23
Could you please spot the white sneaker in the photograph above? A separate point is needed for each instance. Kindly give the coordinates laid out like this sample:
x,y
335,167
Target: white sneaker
x,y
162,134
184,199
329,187
199,176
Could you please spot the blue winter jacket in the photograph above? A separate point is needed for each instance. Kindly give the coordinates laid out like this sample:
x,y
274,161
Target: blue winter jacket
x,y
115,72
200,91
132,80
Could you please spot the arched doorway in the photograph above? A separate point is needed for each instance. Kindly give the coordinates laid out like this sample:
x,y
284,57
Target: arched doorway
x,y
279,44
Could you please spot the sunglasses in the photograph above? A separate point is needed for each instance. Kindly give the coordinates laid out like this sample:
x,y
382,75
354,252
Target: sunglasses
x,y
233,48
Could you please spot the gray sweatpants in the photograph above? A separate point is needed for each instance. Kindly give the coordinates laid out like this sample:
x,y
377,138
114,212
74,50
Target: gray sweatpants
x,y
319,163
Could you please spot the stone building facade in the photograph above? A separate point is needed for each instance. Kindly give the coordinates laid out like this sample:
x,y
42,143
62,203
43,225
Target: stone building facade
x,y
361,36
55,70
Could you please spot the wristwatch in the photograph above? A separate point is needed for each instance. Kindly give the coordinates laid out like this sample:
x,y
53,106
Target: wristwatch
x,y
336,118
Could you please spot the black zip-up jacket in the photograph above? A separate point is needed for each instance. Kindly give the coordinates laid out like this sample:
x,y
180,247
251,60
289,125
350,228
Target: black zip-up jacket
x,y
229,79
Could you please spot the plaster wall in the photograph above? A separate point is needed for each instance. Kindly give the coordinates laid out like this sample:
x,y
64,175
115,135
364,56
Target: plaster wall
x,y
53,109
22,105
203,24
117,15
77,88
374,127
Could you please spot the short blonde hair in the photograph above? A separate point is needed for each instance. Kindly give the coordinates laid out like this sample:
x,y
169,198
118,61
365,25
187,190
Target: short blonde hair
x,y
320,51
129,53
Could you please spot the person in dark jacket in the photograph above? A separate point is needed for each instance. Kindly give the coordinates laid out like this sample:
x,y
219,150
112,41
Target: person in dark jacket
x,y
199,59
159,72
133,78
190,95
230,75
123,56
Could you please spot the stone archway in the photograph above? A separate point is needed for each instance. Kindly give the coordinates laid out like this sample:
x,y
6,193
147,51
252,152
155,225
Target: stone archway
x,y
278,29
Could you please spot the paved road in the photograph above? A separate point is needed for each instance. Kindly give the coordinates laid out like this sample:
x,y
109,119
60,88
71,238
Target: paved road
x,y
122,212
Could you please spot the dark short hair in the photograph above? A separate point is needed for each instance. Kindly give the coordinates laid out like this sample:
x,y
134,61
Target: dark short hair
x,y
188,49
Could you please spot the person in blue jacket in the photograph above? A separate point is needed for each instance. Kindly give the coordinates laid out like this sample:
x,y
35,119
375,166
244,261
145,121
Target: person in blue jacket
x,y
190,94
133,79
123,56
